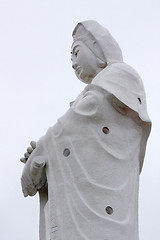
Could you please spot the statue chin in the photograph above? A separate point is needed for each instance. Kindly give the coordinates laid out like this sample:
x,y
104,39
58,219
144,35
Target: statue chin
x,y
84,78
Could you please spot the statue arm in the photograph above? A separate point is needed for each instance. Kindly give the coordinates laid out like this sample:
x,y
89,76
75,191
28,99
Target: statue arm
x,y
94,97
90,101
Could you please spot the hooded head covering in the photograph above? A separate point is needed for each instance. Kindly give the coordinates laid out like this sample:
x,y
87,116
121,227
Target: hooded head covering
x,y
99,40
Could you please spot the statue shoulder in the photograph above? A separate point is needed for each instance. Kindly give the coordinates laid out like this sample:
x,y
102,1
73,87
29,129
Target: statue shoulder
x,y
126,85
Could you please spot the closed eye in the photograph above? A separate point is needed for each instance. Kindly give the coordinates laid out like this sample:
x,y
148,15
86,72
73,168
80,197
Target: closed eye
x,y
76,53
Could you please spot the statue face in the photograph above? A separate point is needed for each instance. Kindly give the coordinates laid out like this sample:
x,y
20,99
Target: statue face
x,y
84,62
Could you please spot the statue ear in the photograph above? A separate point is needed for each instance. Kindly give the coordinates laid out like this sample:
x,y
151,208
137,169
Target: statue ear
x,y
101,63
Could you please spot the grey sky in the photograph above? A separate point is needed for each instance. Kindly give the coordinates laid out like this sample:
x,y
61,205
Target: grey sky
x,y
37,84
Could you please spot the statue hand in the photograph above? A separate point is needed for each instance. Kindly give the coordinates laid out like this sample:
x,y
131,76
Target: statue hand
x,y
28,187
33,177
29,151
38,172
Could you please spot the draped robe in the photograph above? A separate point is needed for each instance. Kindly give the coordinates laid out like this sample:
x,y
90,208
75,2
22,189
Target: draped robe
x,y
94,155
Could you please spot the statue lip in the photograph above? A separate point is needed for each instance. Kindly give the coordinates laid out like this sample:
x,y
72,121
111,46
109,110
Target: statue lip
x,y
78,69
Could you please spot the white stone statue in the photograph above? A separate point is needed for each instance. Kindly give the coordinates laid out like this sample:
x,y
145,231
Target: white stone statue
x,y
86,168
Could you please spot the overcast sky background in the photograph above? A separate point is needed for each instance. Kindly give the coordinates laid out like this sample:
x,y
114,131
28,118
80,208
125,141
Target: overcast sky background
x,y
37,83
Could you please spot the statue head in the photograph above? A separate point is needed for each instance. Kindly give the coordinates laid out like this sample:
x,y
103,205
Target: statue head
x,y
93,49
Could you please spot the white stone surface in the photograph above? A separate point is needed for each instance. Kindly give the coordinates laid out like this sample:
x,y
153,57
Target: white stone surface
x,y
93,155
